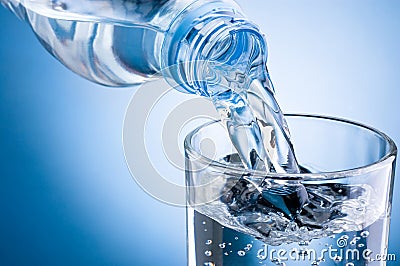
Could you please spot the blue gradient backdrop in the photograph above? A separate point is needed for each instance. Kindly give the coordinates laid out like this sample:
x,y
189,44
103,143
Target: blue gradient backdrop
x,y
66,195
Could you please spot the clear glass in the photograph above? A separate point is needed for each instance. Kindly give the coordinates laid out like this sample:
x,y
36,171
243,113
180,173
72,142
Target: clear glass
x,y
348,172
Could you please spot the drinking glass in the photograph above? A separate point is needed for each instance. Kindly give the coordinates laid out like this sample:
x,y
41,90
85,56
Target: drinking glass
x,y
240,217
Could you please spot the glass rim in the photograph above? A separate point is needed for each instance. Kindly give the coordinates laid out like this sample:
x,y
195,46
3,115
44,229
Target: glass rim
x,y
389,157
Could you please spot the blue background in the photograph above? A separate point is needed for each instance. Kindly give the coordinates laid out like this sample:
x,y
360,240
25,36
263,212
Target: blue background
x,y
66,195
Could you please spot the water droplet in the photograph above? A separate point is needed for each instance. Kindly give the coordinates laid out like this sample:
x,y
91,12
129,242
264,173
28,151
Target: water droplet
x,y
208,253
209,242
222,245
205,230
236,238
204,222
364,234
241,253
229,244
209,263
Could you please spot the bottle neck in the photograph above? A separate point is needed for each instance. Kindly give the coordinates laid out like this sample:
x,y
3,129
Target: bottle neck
x,y
208,36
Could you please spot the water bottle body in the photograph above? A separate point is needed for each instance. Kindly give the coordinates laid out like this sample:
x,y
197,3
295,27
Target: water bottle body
x,y
115,43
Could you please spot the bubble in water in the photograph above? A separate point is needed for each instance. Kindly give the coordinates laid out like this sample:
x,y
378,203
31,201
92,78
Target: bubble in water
x,y
364,234
204,222
303,243
209,242
209,263
236,238
241,253
360,245
248,247
208,253
229,244
349,264
278,262
205,230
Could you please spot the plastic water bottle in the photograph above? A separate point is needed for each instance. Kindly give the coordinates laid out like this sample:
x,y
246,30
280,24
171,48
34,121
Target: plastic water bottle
x,y
205,47
126,43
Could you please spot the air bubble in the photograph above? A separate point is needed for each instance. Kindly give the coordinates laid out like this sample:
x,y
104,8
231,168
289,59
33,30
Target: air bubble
x,y
364,234
303,243
278,262
236,238
209,263
204,222
208,253
209,242
349,264
241,253
222,245
248,247
360,245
